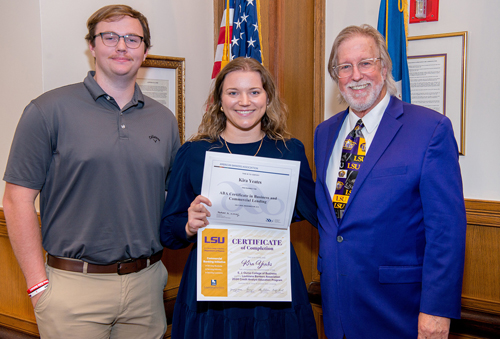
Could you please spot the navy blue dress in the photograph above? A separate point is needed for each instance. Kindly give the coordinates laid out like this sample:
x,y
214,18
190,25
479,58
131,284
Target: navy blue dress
x,y
235,320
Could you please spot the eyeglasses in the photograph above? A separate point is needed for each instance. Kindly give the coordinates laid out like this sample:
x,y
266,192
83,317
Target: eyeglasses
x,y
111,39
364,66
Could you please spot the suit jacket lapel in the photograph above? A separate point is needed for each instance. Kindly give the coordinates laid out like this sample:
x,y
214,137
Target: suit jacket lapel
x,y
332,137
387,130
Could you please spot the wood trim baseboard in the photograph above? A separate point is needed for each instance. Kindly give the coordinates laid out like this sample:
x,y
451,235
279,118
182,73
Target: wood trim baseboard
x,y
483,212
18,324
481,305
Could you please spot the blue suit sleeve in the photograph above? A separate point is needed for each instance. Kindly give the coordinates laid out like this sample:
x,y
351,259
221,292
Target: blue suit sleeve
x,y
179,197
305,205
445,225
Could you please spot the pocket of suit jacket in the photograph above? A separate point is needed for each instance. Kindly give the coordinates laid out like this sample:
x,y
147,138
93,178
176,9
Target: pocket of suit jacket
x,y
400,274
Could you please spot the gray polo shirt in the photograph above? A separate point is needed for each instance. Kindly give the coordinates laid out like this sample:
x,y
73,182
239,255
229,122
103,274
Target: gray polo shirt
x,y
101,171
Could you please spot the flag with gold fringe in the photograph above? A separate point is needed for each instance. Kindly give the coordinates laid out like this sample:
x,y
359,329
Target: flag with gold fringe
x,y
393,25
239,34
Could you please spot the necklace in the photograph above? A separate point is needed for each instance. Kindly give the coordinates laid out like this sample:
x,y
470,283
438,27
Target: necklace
x,y
261,141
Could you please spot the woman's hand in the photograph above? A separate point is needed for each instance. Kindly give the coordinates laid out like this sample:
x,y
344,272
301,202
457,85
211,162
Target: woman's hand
x,y
197,215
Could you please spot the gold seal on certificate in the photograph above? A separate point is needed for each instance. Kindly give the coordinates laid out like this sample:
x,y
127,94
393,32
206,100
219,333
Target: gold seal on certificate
x,y
244,254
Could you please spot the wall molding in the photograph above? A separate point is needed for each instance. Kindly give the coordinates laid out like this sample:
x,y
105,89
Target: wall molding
x,y
483,213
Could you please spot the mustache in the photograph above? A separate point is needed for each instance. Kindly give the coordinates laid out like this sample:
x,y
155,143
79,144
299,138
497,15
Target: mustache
x,y
358,83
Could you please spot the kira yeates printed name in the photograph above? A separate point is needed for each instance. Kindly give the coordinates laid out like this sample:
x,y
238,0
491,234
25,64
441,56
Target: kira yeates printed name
x,y
250,181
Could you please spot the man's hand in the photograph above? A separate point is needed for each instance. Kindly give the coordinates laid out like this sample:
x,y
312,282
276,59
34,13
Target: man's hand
x,y
433,327
24,233
34,300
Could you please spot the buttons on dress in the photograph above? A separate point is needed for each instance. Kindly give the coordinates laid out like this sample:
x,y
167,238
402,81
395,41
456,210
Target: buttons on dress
x,y
340,238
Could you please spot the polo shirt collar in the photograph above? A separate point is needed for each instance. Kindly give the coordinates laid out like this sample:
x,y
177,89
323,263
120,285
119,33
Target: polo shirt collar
x,y
96,91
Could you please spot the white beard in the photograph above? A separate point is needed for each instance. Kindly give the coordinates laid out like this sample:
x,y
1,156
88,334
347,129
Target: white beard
x,y
358,102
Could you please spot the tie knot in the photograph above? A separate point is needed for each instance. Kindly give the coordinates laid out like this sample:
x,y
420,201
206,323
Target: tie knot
x,y
356,131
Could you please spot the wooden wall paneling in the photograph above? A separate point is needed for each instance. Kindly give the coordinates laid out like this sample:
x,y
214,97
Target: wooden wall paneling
x,y
16,311
318,104
481,287
290,46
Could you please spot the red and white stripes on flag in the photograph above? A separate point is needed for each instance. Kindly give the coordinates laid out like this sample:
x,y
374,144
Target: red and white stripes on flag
x,y
239,35
219,53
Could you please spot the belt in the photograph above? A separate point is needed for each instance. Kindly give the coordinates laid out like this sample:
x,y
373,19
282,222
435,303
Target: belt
x,y
121,267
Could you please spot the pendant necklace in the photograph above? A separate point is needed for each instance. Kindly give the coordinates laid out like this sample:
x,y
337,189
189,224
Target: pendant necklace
x,y
261,141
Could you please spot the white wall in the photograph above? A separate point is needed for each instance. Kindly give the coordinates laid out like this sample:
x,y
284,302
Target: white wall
x,y
481,163
45,49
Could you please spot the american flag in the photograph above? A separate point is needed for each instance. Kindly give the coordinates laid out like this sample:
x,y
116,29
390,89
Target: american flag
x,y
243,33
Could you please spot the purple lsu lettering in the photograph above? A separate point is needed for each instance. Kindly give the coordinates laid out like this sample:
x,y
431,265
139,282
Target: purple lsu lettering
x,y
215,240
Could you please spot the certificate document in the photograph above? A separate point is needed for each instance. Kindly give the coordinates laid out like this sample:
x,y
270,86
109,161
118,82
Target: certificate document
x,y
247,190
243,263
244,254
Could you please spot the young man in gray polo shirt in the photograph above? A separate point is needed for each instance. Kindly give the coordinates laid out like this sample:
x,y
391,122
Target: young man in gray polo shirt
x,y
99,154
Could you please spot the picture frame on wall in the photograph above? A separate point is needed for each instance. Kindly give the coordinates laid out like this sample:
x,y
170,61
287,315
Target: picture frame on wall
x,y
163,79
437,65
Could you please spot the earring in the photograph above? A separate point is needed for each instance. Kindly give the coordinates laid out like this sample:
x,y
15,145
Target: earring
x,y
221,109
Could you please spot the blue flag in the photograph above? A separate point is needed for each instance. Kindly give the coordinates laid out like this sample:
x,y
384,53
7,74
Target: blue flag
x,y
391,24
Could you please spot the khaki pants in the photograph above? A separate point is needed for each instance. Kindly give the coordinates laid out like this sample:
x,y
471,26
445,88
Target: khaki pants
x,y
78,305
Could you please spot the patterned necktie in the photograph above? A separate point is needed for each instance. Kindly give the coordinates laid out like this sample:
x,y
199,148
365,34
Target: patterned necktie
x,y
353,154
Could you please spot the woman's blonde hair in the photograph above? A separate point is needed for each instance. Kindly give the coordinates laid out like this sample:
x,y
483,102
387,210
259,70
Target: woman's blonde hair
x,y
273,122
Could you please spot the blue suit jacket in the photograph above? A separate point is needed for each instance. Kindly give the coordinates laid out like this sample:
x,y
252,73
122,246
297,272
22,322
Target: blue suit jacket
x,y
403,229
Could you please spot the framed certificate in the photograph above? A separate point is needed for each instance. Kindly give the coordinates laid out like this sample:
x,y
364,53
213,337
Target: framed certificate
x,y
163,79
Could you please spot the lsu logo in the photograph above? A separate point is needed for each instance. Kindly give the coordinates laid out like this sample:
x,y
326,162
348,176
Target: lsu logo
x,y
362,146
359,158
340,199
215,240
338,205
353,166
342,174
339,185
349,144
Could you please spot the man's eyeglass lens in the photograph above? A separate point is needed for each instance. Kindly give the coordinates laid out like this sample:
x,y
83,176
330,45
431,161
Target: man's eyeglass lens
x,y
364,66
111,39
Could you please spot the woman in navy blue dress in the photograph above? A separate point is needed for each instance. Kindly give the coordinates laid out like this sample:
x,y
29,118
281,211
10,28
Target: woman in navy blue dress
x,y
244,116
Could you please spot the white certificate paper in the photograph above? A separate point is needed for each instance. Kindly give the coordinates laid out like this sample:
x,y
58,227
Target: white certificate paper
x,y
247,190
244,254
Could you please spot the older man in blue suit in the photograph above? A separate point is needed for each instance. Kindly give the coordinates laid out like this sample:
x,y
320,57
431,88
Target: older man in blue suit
x,y
391,208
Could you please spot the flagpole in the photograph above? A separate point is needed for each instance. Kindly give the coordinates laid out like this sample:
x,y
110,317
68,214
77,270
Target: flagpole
x,y
260,34
227,39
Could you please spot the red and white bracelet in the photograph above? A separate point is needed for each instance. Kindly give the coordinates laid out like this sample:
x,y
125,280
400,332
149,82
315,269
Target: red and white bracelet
x,y
38,288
